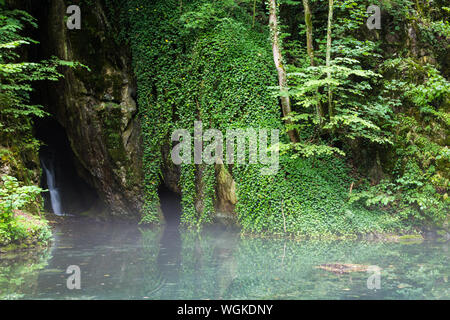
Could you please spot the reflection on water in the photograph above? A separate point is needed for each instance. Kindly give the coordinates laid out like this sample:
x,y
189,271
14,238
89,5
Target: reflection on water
x,y
122,261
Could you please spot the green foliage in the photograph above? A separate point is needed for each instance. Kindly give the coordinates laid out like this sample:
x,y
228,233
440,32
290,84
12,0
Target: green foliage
x,y
307,198
418,188
16,80
212,61
358,112
18,146
309,150
12,198
401,103
223,78
214,69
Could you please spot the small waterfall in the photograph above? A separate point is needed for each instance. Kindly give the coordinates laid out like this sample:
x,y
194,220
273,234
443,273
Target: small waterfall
x,y
55,197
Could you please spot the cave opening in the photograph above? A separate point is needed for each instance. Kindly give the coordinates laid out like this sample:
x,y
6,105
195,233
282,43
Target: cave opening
x,y
170,205
68,193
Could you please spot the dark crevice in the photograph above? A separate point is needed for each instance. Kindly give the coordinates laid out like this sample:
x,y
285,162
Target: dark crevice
x,y
76,195
170,205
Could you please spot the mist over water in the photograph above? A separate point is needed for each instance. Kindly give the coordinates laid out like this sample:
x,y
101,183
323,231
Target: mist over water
x,y
123,261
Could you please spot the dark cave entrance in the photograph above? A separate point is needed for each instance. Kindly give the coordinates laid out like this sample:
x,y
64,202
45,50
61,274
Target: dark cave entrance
x,y
170,205
68,192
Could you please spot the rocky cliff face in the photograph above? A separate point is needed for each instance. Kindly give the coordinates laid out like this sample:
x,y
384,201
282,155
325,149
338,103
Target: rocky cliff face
x,y
98,111
96,107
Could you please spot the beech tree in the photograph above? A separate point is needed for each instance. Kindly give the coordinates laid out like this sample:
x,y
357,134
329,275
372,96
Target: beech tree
x,y
278,59
328,57
310,49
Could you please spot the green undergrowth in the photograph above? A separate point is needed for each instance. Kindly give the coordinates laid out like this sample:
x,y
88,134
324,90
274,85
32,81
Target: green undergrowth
x,y
24,231
18,228
197,65
202,60
308,198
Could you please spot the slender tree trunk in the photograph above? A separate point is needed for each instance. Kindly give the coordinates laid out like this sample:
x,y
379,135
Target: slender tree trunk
x,y
328,57
254,13
309,39
278,59
310,49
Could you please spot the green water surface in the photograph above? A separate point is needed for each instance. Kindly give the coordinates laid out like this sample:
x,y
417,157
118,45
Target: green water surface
x,y
122,261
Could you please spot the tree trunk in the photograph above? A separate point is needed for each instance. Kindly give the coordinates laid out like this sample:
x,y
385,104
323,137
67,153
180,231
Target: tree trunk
x,y
310,49
309,39
278,59
328,57
254,13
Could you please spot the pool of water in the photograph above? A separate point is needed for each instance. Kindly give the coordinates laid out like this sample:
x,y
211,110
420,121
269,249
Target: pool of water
x,y
123,261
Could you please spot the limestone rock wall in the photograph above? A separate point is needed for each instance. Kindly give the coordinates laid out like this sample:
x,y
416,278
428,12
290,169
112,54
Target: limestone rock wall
x,y
96,107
